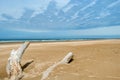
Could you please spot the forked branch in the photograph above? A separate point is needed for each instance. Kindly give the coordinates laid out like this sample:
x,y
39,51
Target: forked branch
x,y
13,68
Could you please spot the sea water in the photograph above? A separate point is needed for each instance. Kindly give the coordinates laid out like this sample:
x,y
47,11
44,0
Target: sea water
x,y
47,40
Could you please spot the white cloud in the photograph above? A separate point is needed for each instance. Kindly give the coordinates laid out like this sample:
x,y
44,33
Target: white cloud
x,y
15,8
109,30
41,8
103,14
44,4
15,13
75,15
89,5
29,30
61,3
86,16
38,11
68,7
113,4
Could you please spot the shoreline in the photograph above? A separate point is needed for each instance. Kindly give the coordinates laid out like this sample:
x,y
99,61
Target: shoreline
x,y
47,41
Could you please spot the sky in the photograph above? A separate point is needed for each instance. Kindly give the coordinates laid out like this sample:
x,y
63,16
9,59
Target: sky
x,y
55,19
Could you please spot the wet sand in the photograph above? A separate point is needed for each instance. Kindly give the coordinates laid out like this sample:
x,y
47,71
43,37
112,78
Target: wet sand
x,y
93,60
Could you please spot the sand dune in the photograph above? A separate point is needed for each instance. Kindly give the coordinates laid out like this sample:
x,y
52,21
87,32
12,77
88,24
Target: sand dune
x,y
93,60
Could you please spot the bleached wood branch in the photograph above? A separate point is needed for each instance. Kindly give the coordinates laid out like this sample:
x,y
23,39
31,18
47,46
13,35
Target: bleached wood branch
x,y
21,50
13,68
65,60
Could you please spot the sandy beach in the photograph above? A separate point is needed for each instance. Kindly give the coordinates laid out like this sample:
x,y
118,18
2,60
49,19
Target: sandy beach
x,y
92,60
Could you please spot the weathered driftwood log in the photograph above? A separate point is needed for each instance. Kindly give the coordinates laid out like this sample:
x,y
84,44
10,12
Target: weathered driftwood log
x,y
13,68
65,60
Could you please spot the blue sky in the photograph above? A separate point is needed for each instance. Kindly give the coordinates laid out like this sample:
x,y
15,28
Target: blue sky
x,y
38,19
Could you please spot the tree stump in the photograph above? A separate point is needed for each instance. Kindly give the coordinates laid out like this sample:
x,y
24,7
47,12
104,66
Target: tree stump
x,y
13,68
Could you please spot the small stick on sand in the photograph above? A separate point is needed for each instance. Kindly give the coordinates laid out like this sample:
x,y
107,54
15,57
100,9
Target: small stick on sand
x,y
65,60
13,68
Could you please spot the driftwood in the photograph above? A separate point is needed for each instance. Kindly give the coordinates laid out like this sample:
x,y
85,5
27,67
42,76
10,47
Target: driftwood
x,y
65,60
13,68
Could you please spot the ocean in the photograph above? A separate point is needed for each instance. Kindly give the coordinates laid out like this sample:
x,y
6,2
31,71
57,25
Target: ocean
x,y
50,40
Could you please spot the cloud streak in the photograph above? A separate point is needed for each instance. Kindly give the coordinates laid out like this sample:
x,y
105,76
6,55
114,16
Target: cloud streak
x,y
89,5
113,4
61,3
30,30
16,8
111,30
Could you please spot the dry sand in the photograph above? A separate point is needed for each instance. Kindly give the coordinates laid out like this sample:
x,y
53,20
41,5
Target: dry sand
x,y
93,60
